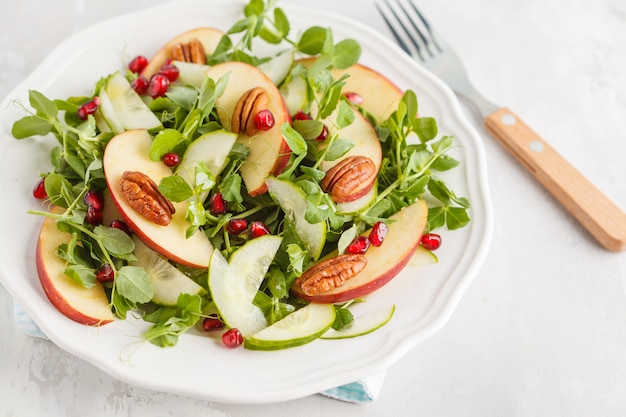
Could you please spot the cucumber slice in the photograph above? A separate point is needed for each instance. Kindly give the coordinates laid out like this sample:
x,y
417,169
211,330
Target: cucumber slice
x,y
300,327
293,202
190,73
235,283
278,67
168,281
109,114
294,94
363,325
211,148
127,109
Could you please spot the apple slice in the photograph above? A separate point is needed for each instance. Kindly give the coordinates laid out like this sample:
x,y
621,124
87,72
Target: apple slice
x,y
383,262
190,73
366,143
269,153
380,96
88,306
362,325
235,283
209,37
298,328
167,280
423,256
128,151
278,67
212,149
293,202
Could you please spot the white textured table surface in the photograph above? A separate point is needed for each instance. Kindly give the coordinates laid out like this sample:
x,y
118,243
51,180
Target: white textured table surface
x,y
541,330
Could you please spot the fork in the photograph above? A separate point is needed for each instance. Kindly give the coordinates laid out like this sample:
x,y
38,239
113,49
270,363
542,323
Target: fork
x,y
597,213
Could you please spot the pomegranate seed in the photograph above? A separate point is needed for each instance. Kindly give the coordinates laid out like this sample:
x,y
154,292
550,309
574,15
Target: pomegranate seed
x,y
378,233
170,71
85,109
105,273
138,64
264,120
218,204
118,224
158,85
431,241
232,338
359,245
236,226
258,229
171,159
354,98
93,198
94,216
322,136
212,323
140,85
300,115
39,190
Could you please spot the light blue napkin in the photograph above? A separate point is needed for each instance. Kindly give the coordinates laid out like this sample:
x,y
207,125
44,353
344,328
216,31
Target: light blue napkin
x,y
362,391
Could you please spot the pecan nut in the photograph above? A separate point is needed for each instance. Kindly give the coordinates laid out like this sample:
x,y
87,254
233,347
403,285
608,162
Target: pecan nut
x,y
192,51
143,195
344,179
331,273
246,109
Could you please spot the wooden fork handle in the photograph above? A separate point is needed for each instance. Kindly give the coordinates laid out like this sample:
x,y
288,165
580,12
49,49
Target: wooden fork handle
x,y
599,215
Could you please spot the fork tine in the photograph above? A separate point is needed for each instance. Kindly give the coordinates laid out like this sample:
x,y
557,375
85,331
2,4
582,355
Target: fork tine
x,y
399,39
426,25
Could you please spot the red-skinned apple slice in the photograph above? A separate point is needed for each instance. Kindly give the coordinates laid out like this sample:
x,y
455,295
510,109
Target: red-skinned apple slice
x,y
209,37
383,262
128,151
380,96
366,143
88,306
269,153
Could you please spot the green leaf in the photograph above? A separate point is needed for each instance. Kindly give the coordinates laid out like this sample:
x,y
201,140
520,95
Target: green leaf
x,y
347,53
337,149
175,188
43,105
296,142
410,100
281,22
31,126
425,128
164,142
444,163
81,274
343,318
184,96
345,115
133,283
308,129
456,218
312,40
436,217
230,187
114,240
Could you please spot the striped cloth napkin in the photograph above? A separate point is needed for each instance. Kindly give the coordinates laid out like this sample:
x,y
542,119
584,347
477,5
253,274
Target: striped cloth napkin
x,y
362,391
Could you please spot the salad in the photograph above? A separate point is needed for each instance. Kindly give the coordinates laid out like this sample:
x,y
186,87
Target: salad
x,y
258,196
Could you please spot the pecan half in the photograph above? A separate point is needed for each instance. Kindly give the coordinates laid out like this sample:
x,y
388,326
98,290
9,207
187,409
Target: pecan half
x,y
345,178
246,109
192,51
331,273
143,196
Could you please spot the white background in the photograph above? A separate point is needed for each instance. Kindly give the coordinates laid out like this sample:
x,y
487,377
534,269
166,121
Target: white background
x,y
541,330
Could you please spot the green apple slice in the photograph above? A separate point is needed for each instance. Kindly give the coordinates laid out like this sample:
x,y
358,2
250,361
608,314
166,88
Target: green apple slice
x,y
235,283
126,109
190,73
363,325
167,280
360,204
211,148
293,202
108,113
278,67
300,327
423,256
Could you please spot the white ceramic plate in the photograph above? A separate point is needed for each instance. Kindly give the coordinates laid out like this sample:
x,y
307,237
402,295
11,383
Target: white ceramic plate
x,y
198,366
